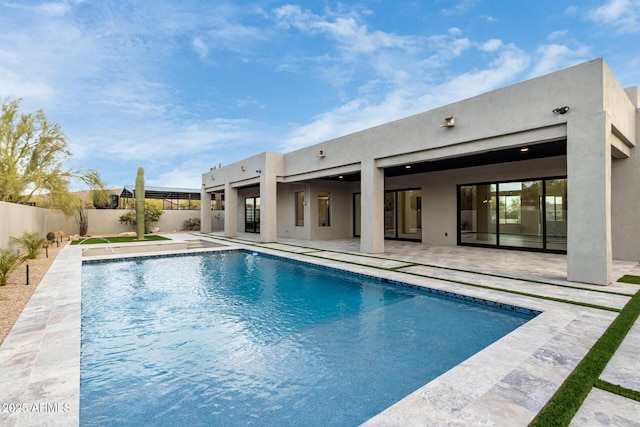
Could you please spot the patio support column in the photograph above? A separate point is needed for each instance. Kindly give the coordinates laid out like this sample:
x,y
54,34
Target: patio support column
x,y
230,210
205,211
589,251
372,207
268,206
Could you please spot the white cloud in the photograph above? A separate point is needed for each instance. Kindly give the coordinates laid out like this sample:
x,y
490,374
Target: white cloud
x,y
557,35
622,14
187,174
55,8
491,45
509,63
553,57
459,8
351,35
200,47
489,18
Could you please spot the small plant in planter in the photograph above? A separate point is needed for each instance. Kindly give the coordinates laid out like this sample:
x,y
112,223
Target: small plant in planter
x,y
9,261
32,243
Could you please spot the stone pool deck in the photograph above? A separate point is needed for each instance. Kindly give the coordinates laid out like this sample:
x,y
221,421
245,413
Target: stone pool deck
x,y
504,385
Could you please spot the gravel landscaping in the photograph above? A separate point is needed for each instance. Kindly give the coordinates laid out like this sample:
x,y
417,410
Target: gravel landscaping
x,y
15,295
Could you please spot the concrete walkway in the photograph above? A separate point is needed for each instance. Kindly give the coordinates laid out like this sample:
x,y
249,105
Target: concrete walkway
x,y
504,385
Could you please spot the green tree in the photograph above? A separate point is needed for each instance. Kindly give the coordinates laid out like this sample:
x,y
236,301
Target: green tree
x,y
33,157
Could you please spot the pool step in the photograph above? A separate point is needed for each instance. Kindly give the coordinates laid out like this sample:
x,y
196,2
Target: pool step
x,y
194,244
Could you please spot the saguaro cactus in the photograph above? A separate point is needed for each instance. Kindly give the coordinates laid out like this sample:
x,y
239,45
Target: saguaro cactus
x,y
140,204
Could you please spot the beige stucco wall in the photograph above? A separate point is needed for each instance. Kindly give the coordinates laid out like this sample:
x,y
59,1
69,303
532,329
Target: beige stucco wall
x,y
286,211
625,198
18,219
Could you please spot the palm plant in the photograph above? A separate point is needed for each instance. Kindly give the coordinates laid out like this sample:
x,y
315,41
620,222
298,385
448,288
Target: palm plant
x,y
9,261
32,243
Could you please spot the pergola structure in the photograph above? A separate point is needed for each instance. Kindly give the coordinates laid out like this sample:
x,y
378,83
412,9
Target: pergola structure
x,y
171,195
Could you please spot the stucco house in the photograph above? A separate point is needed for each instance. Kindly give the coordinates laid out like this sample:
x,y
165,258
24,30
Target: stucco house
x,y
548,164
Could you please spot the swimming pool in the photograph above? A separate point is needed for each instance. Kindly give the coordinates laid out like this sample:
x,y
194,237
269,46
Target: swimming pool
x,y
234,338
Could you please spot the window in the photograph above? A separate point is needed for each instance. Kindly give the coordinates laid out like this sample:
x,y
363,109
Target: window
x,y
324,209
252,215
510,209
300,209
510,203
555,210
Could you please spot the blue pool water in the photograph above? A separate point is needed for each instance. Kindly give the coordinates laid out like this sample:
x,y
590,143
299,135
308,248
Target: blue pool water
x,y
233,338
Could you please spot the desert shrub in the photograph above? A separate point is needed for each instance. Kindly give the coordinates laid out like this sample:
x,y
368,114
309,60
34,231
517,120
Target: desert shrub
x,y
152,215
9,261
191,224
30,242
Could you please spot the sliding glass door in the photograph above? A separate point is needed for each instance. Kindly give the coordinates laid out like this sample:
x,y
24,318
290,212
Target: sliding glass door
x,y
527,214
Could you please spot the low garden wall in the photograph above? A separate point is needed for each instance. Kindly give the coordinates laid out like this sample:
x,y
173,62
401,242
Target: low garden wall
x,y
17,219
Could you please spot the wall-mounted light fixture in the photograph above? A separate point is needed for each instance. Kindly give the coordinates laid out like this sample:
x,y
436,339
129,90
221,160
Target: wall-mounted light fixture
x,y
321,153
259,171
407,167
243,168
524,149
448,122
561,110
211,174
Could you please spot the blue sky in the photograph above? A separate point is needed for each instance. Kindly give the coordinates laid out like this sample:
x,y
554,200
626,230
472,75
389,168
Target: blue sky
x,y
180,86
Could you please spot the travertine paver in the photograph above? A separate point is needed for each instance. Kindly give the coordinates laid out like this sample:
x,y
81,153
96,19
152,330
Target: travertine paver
x,y
290,248
361,259
604,409
573,294
40,357
624,367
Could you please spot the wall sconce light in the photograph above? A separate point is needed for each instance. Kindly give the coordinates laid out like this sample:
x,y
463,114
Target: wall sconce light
x,y
258,171
321,153
449,122
243,168
561,110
